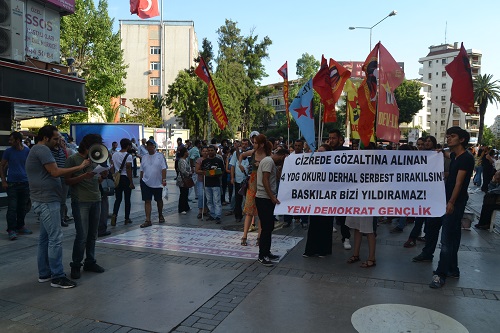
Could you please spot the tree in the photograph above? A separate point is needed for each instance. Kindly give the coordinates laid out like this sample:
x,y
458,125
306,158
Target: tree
x,y
488,138
87,36
307,67
485,91
409,100
144,112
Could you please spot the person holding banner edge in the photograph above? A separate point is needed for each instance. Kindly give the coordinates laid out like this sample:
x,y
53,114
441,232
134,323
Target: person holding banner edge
x,y
457,182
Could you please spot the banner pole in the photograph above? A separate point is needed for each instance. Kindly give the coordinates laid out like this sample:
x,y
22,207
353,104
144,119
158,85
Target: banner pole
x,y
319,124
447,122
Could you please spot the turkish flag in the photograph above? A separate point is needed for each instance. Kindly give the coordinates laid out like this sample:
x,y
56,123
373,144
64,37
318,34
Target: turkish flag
x,y
144,8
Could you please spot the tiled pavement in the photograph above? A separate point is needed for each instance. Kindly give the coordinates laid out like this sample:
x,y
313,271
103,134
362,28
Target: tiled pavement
x,y
147,290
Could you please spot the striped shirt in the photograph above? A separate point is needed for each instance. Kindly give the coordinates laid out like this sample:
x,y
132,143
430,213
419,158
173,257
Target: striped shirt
x,y
59,156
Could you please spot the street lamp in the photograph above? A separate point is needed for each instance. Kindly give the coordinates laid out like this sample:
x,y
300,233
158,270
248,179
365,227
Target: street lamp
x,y
373,26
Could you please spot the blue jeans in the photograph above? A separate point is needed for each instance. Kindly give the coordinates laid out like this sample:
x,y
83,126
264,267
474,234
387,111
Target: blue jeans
x,y
18,195
200,194
477,176
103,219
49,240
213,201
87,216
451,235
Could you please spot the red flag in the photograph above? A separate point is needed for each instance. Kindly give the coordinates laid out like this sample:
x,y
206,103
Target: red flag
x,y
322,85
283,72
462,91
338,77
144,8
391,76
213,97
367,97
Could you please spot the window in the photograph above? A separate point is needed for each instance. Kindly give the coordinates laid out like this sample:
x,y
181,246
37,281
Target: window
x,y
154,50
437,97
154,95
443,122
275,102
456,122
430,63
430,76
154,66
443,110
443,61
429,102
437,61
443,86
429,88
154,81
437,73
443,98
436,85
443,74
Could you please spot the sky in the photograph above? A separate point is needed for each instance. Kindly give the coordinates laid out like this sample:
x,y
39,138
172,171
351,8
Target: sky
x,y
322,27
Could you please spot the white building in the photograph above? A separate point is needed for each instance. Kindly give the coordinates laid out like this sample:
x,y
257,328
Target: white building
x,y
422,119
155,54
438,108
495,128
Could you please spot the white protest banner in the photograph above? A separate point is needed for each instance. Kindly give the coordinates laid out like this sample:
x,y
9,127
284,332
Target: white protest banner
x,y
363,183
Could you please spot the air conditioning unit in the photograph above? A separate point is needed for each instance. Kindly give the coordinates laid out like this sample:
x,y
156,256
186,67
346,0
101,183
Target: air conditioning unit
x,y
12,30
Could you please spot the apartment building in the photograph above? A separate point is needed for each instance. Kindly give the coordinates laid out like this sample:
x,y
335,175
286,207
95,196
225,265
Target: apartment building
x,y
495,128
422,119
439,87
155,53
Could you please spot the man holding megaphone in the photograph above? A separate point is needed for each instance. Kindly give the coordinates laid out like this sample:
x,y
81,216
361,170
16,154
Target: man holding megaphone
x,y
86,202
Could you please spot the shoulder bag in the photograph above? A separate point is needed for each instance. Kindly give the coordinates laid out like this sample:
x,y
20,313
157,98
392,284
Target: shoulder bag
x,y
116,175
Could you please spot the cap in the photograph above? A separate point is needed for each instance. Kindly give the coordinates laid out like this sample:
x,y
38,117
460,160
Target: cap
x,y
150,141
254,133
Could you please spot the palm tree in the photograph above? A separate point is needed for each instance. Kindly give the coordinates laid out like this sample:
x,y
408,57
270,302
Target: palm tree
x,y
485,91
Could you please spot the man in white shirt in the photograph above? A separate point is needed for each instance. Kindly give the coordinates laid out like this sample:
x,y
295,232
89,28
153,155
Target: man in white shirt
x,y
153,179
142,148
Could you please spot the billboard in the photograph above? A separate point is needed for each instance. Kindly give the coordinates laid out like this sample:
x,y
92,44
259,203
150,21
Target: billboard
x,y
43,27
109,132
66,5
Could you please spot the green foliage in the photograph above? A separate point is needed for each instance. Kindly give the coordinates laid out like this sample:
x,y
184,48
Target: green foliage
x,y
485,91
144,112
87,36
409,100
307,66
489,138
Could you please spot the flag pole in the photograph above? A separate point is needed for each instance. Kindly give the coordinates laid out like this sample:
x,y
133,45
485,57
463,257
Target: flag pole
x,y
447,122
162,63
319,124
347,119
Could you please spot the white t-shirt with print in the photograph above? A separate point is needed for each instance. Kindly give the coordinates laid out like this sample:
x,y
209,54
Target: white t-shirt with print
x,y
151,167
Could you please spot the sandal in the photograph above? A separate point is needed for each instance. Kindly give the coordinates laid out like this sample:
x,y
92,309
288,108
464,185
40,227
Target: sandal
x,y
146,224
410,243
244,242
353,259
367,264
161,219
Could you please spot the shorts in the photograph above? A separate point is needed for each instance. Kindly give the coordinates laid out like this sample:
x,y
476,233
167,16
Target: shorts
x,y
150,192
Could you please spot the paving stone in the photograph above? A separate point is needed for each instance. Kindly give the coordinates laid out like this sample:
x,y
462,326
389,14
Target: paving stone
x,y
186,329
204,326
207,310
189,321
221,315
203,315
209,321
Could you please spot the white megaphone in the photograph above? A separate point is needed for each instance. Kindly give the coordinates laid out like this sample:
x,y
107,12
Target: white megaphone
x,y
98,153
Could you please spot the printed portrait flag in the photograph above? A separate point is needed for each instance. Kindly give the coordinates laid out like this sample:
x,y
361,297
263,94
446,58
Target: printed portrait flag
x,y
322,85
462,91
367,97
390,76
283,72
144,8
301,110
213,97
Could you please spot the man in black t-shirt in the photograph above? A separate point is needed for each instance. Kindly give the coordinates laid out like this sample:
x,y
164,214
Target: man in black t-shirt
x,y
461,168
213,167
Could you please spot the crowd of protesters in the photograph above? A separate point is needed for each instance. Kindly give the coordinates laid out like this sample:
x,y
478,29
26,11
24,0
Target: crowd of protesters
x,y
243,174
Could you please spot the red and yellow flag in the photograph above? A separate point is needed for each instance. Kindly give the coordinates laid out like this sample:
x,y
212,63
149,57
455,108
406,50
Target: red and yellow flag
x,y
338,77
322,85
367,98
213,97
283,72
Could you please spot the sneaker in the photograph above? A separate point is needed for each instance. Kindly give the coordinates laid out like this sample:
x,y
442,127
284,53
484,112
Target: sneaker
x,y
128,221
454,275
209,218
410,243
305,255
12,235
437,282
422,258
24,231
75,273
273,257
64,224
396,230
113,220
422,239
217,220
63,282
104,234
347,244
43,279
265,262
93,267
68,218
184,213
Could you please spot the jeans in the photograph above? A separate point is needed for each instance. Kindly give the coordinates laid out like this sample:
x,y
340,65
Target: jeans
x,y
103,218
477,176
87,215
183,205
123,189
431,229
50,239
344,230
213,201
265,208
402,222
238,202
451,235
18,195
64,207
201,195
